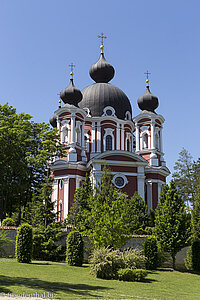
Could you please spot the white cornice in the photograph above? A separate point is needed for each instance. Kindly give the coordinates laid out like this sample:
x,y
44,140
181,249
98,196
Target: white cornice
x,y
110,118
70,109
149,115
101,159
63,164
158,170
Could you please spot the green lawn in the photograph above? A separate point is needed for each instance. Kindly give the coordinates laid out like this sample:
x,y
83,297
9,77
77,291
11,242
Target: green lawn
x,y
77,283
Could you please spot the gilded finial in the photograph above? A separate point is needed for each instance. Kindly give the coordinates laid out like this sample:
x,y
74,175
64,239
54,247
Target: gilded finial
x,y
147,80
59,103
102,47
71,74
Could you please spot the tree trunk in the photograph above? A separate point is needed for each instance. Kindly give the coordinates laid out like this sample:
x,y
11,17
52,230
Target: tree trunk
x,y
173,261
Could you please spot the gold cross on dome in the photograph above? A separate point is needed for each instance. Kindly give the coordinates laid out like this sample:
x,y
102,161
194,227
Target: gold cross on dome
x,y
147,73
102,36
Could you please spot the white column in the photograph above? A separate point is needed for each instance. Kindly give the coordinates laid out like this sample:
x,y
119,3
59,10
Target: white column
x,y
58,124
118,136
93,140
122,137
149,195
55,195
137,138
98,137
152,134
72,151
140,182
66,197
73,129
161,141
159,189
83,155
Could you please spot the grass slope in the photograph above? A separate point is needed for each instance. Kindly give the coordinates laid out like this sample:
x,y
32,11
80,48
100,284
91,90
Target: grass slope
x,y
77,283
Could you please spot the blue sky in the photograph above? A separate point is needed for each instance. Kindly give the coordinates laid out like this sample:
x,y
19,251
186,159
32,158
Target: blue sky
x,y
40,38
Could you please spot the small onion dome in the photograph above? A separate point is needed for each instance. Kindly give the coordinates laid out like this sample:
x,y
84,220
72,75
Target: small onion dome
x,y
102,71
71,94
148,101
53,121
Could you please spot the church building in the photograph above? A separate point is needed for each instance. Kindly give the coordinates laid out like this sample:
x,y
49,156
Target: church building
x,y
97,128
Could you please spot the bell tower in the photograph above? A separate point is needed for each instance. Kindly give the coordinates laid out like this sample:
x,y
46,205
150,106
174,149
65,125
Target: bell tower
x,y
149,145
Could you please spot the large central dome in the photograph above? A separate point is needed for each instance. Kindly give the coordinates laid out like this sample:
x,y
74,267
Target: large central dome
x,y
101,94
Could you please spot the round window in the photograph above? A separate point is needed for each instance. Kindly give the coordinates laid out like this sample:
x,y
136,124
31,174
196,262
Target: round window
x,y
109,112
119,181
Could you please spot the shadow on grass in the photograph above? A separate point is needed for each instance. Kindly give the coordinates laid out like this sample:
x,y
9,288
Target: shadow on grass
x,y
4,290
46,286
188,271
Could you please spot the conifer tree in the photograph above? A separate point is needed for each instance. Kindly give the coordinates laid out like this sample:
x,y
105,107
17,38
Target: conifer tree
x,y
108,224
196,216
42,206
136,214
184,177
80,209
171,228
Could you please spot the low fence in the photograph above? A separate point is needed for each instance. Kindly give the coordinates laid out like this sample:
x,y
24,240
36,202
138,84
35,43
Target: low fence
x,y
136,241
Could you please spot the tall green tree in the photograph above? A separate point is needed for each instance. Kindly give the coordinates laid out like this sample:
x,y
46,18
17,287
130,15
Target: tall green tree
x,y
196,216
171,223
136,214
42,208
107,219
80,209
184,177
26,149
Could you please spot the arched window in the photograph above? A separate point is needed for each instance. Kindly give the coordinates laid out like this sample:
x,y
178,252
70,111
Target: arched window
x,y
85,143
127,145
65,135
157,144
145,141
78,136
108,142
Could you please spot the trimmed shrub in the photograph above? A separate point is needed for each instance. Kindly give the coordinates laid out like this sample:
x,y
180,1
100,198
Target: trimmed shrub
x,y
24,243
196,255
75,249
132,275
151,253
8,222
134,258
46,243
105,262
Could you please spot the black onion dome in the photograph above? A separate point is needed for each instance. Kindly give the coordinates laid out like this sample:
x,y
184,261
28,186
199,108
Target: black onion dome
x,y
71,94
53,121
102,71
99,95
148,101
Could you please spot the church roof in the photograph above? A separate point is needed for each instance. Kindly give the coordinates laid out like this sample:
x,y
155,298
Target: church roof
x,y
101,94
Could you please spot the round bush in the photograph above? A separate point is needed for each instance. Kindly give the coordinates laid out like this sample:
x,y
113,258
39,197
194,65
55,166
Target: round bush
x,y
132,274
8,222
151,253
24,243
75,249
196,255
105,262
